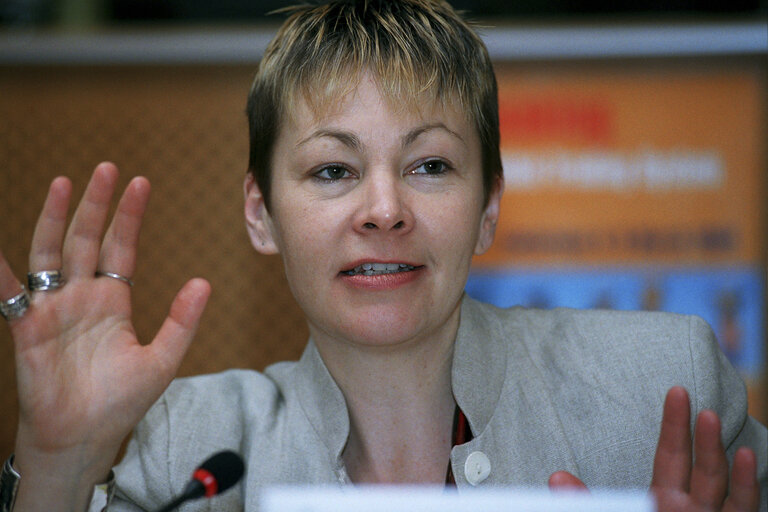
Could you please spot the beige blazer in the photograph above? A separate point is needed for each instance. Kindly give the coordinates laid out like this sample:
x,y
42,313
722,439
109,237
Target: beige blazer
x,y
543,391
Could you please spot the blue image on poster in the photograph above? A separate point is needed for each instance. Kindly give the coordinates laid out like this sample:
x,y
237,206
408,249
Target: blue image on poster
x,y
730,299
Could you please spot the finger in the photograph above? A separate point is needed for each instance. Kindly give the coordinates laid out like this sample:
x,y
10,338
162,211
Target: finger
x,y
45,253
565,481
744,495
83,239
118,251
178,329
709,478
9,285
672,463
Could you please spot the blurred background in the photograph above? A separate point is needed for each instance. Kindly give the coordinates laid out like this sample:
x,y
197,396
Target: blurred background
x,y
88,12
633,141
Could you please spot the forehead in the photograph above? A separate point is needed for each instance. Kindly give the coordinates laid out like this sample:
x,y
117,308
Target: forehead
x,y
367,104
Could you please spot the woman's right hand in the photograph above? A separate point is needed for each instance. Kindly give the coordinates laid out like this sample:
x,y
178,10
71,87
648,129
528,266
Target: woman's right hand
x,y
84,380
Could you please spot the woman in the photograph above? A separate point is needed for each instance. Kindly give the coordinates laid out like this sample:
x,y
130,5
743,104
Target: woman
x,y
375,173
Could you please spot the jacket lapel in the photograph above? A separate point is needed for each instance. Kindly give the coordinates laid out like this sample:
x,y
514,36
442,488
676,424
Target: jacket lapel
x,y
506,400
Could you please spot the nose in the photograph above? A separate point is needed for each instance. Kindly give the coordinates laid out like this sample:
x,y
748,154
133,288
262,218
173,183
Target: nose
x,y
384,205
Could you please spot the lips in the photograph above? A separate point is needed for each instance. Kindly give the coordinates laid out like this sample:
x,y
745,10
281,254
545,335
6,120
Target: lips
x,y
376,269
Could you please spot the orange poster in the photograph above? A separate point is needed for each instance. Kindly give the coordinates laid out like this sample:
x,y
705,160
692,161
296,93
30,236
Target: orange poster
x,y
631,167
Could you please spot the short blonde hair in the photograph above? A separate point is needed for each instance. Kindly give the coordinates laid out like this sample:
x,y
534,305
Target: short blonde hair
x,y
412,48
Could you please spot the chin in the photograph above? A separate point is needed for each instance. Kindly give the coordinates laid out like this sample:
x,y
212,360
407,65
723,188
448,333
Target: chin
x,y
381,336
386,326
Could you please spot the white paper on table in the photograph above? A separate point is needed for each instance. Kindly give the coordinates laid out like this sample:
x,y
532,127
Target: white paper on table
x,y
438,499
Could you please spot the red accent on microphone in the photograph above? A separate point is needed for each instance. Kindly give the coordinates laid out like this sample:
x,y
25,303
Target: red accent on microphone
x,y
208,480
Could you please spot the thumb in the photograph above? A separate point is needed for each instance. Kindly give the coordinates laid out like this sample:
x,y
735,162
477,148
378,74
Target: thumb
x,y
179,328
565,481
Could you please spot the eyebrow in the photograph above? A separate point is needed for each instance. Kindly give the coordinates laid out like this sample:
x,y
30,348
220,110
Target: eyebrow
x,y
348,139
353,142
411,136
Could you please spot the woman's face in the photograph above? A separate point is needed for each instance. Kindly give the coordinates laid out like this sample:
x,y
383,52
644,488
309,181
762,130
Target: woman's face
x,y
376,213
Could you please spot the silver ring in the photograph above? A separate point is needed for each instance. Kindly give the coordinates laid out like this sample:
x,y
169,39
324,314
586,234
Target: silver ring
x,y
45,280
124,279
15,307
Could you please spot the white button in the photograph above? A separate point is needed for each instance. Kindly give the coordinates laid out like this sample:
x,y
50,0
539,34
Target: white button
x,y
477,467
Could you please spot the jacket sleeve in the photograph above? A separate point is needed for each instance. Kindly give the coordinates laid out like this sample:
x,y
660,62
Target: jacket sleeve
x,y
718,386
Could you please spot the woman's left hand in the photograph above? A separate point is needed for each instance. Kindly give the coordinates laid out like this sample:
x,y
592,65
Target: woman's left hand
x,y
682,483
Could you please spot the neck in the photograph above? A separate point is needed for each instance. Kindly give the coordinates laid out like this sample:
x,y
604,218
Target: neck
x,y
400,404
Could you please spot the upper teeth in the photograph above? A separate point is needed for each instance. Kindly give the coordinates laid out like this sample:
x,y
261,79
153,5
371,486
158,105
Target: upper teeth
x,y
369,269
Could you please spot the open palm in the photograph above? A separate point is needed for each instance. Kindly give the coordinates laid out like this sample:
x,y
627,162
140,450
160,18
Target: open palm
x,y
84,378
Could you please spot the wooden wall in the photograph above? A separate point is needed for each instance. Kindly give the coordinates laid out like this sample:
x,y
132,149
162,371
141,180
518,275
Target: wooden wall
x,y
185,129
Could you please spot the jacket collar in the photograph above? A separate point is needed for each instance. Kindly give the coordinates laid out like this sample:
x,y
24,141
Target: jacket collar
x,y
479,366
323,402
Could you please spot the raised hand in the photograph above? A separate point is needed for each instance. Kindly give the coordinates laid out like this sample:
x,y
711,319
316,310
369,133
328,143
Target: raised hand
x,y
84,379
682,483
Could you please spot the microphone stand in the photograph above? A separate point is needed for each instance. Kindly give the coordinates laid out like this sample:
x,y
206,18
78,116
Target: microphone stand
x,y
194,489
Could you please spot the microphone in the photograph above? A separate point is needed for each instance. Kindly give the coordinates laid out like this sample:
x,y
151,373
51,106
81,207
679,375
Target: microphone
x,y
214,476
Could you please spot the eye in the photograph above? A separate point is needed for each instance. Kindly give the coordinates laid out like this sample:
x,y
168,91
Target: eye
x,y
432,168
333,173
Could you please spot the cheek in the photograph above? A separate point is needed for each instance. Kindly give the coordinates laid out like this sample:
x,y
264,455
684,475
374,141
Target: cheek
x,y
454,230
306,240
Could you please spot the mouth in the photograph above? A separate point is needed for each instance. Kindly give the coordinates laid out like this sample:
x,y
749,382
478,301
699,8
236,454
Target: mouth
x,y
378,269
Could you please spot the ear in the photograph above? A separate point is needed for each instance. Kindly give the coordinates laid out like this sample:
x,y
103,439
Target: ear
x,y
257,219
490,217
